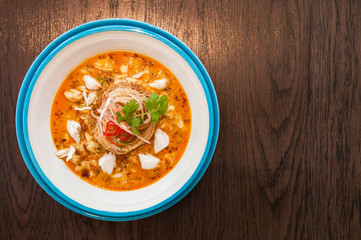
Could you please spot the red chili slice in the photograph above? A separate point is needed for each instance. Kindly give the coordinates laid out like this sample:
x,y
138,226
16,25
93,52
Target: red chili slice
x,y
113,129
123,135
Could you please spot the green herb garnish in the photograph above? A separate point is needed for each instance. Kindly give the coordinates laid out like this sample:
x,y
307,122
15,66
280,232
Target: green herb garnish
x,y
130,108
155,105
103,83
133,121
150,79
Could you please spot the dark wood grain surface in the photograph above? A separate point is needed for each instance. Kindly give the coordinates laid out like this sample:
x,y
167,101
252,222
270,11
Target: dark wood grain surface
x,y
288,80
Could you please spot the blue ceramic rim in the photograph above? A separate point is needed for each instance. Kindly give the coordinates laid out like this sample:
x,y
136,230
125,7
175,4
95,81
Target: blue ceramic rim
x,y
151,30
25,116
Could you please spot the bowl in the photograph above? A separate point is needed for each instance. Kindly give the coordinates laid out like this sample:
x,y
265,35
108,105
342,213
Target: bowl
x,y
42,82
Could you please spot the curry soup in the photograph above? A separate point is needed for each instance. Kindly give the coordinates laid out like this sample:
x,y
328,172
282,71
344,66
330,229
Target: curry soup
x,y
120,121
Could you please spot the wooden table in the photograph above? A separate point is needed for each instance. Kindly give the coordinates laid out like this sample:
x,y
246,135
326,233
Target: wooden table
x,y
288,79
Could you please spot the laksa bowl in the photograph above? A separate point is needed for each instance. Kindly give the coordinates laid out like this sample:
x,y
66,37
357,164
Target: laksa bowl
x,y
101,59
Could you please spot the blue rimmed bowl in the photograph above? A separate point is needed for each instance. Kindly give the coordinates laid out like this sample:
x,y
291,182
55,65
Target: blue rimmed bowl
x,y
43,80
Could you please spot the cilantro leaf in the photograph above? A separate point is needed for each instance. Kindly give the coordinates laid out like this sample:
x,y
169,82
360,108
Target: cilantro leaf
x,y
154,96
155,116
156,106
130,108
120,117
151,102
163,104
135,122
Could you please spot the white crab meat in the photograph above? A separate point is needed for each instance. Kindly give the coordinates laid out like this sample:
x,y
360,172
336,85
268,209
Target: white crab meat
x,y
170,112
92,146
62,153
84,70
85,98
124,68
91,98
105,64
91,83
159,84
73,128
69,153
180,122
83,108
107,162
88,137
138,75
148,161
88,101
118,175
82,88
73,95
161,140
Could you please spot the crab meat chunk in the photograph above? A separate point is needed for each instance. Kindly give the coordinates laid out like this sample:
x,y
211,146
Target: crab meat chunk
x,y
161,140
124,69
91,97
104,64
73,128
82,88
92,146
83,108
69,153
91,83
118,175
62,153
138,75
88,137
73,95
148,161
170,112
159,84
107,162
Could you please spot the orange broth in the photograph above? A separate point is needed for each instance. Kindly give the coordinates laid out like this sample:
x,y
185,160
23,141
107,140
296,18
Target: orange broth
x,y
176,123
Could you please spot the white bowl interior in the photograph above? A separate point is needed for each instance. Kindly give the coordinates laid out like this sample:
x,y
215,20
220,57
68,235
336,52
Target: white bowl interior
x,y
41,141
